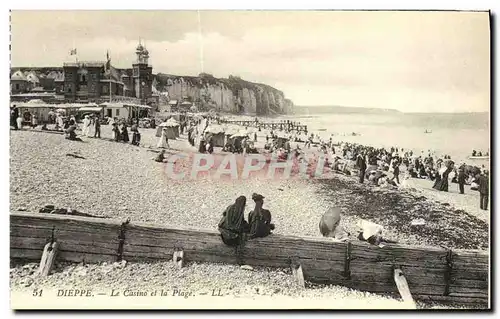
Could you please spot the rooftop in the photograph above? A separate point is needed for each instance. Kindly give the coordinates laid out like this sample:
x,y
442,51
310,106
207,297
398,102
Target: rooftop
x,y
84,64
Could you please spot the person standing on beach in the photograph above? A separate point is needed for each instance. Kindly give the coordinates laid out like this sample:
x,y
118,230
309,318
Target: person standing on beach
x,y
163,141
34,121
14,114
396,170
461,179
362,168
97,124
86,125
484,189
116,132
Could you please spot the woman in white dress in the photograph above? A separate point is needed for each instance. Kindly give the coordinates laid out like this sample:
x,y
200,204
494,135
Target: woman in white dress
x,y
86,126
19,122
91,127
163,141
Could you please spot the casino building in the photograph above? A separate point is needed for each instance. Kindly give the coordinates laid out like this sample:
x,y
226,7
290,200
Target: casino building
x,y
89,82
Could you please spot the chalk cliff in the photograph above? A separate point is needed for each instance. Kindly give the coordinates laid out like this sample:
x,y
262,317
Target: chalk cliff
x,y
232,95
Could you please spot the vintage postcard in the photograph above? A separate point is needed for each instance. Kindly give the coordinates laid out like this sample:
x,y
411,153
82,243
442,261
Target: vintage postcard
x,y
250,160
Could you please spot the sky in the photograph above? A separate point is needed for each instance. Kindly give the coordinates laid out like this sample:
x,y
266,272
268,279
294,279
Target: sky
x,y
409,61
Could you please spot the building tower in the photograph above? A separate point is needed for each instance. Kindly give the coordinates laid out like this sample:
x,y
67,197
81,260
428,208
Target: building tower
x,y
142,74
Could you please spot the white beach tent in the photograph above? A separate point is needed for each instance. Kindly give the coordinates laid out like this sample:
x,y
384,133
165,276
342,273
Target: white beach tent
x,y
171,126
217,133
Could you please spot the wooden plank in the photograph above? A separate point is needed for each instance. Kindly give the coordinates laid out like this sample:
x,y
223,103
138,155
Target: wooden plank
x,y
403,288
65,244
297,273
79,257
471,301
104,232
48,258
178,258
43,260
28,254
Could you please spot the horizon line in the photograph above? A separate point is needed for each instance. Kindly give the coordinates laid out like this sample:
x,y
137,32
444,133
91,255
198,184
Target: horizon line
x,y
389,109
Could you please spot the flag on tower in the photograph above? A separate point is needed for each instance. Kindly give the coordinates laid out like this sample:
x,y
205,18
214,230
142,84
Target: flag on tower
x,y
108,61
72,52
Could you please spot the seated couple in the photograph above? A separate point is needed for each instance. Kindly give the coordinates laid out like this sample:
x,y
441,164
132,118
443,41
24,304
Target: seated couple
x,y
233,227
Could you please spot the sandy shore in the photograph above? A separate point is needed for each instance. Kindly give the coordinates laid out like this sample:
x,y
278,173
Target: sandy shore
x,y
120,181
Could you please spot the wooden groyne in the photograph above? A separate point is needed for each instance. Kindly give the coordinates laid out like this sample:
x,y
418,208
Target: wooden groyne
x,y
282,125
432,274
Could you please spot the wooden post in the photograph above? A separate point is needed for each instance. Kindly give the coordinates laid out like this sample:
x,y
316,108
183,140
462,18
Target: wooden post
x,y
48,258
178,257
297,272
403,288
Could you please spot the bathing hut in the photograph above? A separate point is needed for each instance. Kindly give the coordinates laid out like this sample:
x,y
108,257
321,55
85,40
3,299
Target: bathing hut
x,y
217,133
35,107
175,125
172,129
281,140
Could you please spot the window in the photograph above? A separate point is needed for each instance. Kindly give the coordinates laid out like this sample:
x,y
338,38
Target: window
x,y
110,112
104,89
17,86
69,89
117,112
83,78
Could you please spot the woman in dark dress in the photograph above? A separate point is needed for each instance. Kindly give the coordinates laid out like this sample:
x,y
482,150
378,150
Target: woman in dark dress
x,y
259,219
125,137
116,132
233,226
442,185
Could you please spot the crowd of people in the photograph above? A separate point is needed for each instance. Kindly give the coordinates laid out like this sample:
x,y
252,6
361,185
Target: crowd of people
x,y
374,163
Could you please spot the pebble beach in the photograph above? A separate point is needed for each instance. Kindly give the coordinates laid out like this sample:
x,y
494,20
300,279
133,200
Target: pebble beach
x,y
121,181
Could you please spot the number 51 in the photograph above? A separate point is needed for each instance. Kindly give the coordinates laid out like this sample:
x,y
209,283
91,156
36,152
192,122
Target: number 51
x,y
37,292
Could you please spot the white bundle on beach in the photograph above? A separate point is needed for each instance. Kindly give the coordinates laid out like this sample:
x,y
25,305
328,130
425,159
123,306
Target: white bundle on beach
x,y
369,228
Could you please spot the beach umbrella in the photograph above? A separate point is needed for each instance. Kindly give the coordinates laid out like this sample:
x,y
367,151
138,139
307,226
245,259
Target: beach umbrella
x,y
370,229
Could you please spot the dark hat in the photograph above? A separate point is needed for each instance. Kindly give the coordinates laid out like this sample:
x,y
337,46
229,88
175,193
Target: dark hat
x,y
257,197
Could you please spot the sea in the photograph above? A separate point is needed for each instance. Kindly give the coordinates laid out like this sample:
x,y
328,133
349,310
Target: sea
x,y
454,134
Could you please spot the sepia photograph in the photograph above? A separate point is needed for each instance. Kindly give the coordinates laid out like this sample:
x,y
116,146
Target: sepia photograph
x,y
250,159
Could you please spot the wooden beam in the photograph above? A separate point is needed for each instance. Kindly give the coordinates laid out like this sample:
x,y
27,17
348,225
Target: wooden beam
x,y
178,257
297,273
321,260
48,258
403,288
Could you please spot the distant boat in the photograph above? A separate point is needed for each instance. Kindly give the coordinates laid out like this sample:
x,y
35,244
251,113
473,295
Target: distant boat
x,y
426,131
484,157
322,129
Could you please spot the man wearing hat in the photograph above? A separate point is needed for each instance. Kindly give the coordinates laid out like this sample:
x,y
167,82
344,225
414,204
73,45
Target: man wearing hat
x,y
484,189
461,179
259,218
